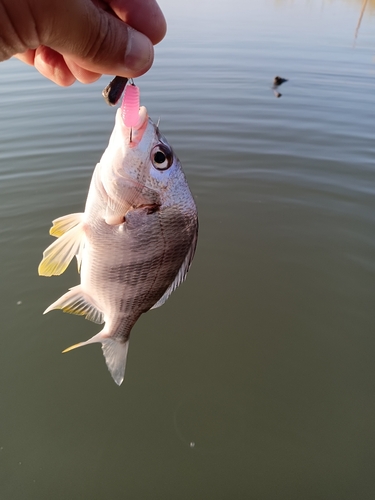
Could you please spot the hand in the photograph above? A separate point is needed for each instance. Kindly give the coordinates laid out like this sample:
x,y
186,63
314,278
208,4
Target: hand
x,y
68,40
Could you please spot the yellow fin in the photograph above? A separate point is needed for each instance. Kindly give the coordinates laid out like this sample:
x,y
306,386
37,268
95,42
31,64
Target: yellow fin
x,y
73,347
99,337
57,256
63,224
77,302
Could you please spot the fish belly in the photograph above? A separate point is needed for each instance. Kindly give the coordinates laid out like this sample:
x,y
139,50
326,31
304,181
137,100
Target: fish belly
x,y
127,268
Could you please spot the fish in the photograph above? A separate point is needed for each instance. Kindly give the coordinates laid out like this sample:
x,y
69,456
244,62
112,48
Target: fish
x,y
134,242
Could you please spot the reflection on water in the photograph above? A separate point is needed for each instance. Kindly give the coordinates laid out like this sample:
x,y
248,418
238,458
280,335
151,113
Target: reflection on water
x,y
362,4
255,379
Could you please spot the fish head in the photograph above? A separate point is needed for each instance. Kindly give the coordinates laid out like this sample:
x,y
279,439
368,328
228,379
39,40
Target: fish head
x,y
139,169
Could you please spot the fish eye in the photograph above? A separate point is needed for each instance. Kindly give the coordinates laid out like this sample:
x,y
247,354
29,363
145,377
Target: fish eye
x,y
161,157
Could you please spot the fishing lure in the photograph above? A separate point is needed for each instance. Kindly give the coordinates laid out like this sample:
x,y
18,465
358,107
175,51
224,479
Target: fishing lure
x,y
130,106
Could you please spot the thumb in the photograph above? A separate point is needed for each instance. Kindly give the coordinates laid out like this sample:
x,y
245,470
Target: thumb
x,y
94,39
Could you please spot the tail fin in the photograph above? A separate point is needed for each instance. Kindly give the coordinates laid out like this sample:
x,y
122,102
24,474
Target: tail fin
x,y
115,353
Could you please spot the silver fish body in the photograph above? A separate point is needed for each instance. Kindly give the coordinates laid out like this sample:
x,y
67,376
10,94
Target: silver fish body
x,y
134,242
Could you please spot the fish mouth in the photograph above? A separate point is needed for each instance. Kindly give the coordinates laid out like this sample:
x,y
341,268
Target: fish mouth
x,y
122,180
142,118
135,133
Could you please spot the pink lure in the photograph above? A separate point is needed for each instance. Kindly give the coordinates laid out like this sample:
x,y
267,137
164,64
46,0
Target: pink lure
x,y
130,106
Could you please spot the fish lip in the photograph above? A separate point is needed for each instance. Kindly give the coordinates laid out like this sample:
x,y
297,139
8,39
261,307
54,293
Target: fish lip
x,y
134,134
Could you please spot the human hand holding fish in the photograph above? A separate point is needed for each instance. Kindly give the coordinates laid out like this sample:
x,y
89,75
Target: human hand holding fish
x,y
136,239
81,39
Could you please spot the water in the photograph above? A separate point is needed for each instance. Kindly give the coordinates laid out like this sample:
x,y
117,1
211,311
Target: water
x,y
256,379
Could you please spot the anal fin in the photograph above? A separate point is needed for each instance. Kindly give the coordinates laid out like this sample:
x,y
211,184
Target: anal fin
x,y
77,302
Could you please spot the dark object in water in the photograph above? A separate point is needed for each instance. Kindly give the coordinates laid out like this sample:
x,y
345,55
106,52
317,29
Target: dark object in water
x,y
114,90
278,81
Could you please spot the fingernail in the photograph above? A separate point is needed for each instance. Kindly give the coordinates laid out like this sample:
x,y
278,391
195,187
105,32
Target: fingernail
x,y
139,53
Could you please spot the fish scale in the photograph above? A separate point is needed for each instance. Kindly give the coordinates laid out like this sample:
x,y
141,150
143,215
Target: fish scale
x,y
134,242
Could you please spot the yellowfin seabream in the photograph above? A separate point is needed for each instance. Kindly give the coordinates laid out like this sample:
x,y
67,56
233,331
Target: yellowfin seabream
x,y
134,242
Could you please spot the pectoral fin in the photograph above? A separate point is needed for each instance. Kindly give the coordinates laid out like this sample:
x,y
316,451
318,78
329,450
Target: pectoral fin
x,y
115,214
57,256
133,195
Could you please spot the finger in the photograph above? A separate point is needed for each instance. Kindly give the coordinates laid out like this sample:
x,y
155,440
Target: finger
x,y
26,57
96,40
55,67
81,74
52,65
143,15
